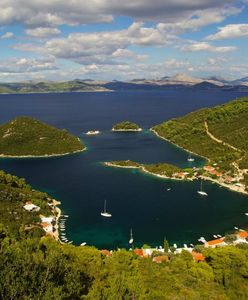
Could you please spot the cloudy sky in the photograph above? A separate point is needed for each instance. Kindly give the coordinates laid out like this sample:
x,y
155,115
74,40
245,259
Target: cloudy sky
x,y
116,39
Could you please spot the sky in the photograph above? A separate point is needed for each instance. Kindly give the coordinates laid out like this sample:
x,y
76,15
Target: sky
x,y
122,40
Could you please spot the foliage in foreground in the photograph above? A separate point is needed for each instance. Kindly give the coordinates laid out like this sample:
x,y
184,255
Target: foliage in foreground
x,y
34,267
44,269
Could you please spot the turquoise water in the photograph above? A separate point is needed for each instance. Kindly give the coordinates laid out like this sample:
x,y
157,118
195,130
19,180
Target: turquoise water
x,y
81,182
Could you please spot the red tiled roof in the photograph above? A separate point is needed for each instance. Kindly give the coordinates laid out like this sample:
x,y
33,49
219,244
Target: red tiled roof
x,y
208,168
139,252
197,256
215,242
243,234
159,259
106,252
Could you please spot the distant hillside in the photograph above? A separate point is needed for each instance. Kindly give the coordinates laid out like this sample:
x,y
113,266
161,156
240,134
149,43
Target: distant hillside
x,y
51,87
204,85
25,136
178,81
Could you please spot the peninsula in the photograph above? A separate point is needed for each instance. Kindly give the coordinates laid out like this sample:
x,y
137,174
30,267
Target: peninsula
x,y
218,134
161,170
28,137
126,126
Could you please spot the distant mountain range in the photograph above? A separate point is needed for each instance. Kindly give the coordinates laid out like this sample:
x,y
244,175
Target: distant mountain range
x,y
178,81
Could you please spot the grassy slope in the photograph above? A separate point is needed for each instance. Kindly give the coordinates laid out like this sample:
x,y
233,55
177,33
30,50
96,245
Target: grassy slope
x,y
27,136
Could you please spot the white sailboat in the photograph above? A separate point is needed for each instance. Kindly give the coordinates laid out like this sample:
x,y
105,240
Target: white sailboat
x,y
104,213
131,236
201,192
190,158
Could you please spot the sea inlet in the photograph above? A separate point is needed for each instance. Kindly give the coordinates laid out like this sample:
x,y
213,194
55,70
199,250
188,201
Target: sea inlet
x,y
136,200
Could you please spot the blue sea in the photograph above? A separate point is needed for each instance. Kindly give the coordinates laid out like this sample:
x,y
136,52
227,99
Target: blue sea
x,y
136,200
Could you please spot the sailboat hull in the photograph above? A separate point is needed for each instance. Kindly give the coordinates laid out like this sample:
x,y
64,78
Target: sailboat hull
x,y
191,159
105,214
202,193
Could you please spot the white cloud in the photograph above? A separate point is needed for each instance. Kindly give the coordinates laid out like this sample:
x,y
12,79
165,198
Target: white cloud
x,y
203,46
48,13
199,19
230,31
125,53
42,32
7,35
177,64
22,65
101,47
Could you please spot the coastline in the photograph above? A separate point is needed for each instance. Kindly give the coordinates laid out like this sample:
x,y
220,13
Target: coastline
x,y
231,187
58,212
163,138
110,164
143,169
42,156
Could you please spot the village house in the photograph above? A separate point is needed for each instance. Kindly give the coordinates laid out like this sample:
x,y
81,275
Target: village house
x,y
215,243
160,259
208,168
47,227
197,256
106,252
29,206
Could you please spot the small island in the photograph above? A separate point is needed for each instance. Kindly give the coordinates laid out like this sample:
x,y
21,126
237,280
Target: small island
x,y
126,126
28,137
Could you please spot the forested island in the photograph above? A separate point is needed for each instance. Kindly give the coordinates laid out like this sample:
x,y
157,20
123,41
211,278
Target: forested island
x,y
33,265
26,136
126,126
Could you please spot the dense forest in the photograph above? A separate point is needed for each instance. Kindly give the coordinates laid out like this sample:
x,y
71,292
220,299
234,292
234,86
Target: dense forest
x,y
27,136
33,266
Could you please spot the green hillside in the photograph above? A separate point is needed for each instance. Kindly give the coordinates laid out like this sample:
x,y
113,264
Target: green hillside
x,y
228,123
27,136
14,193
